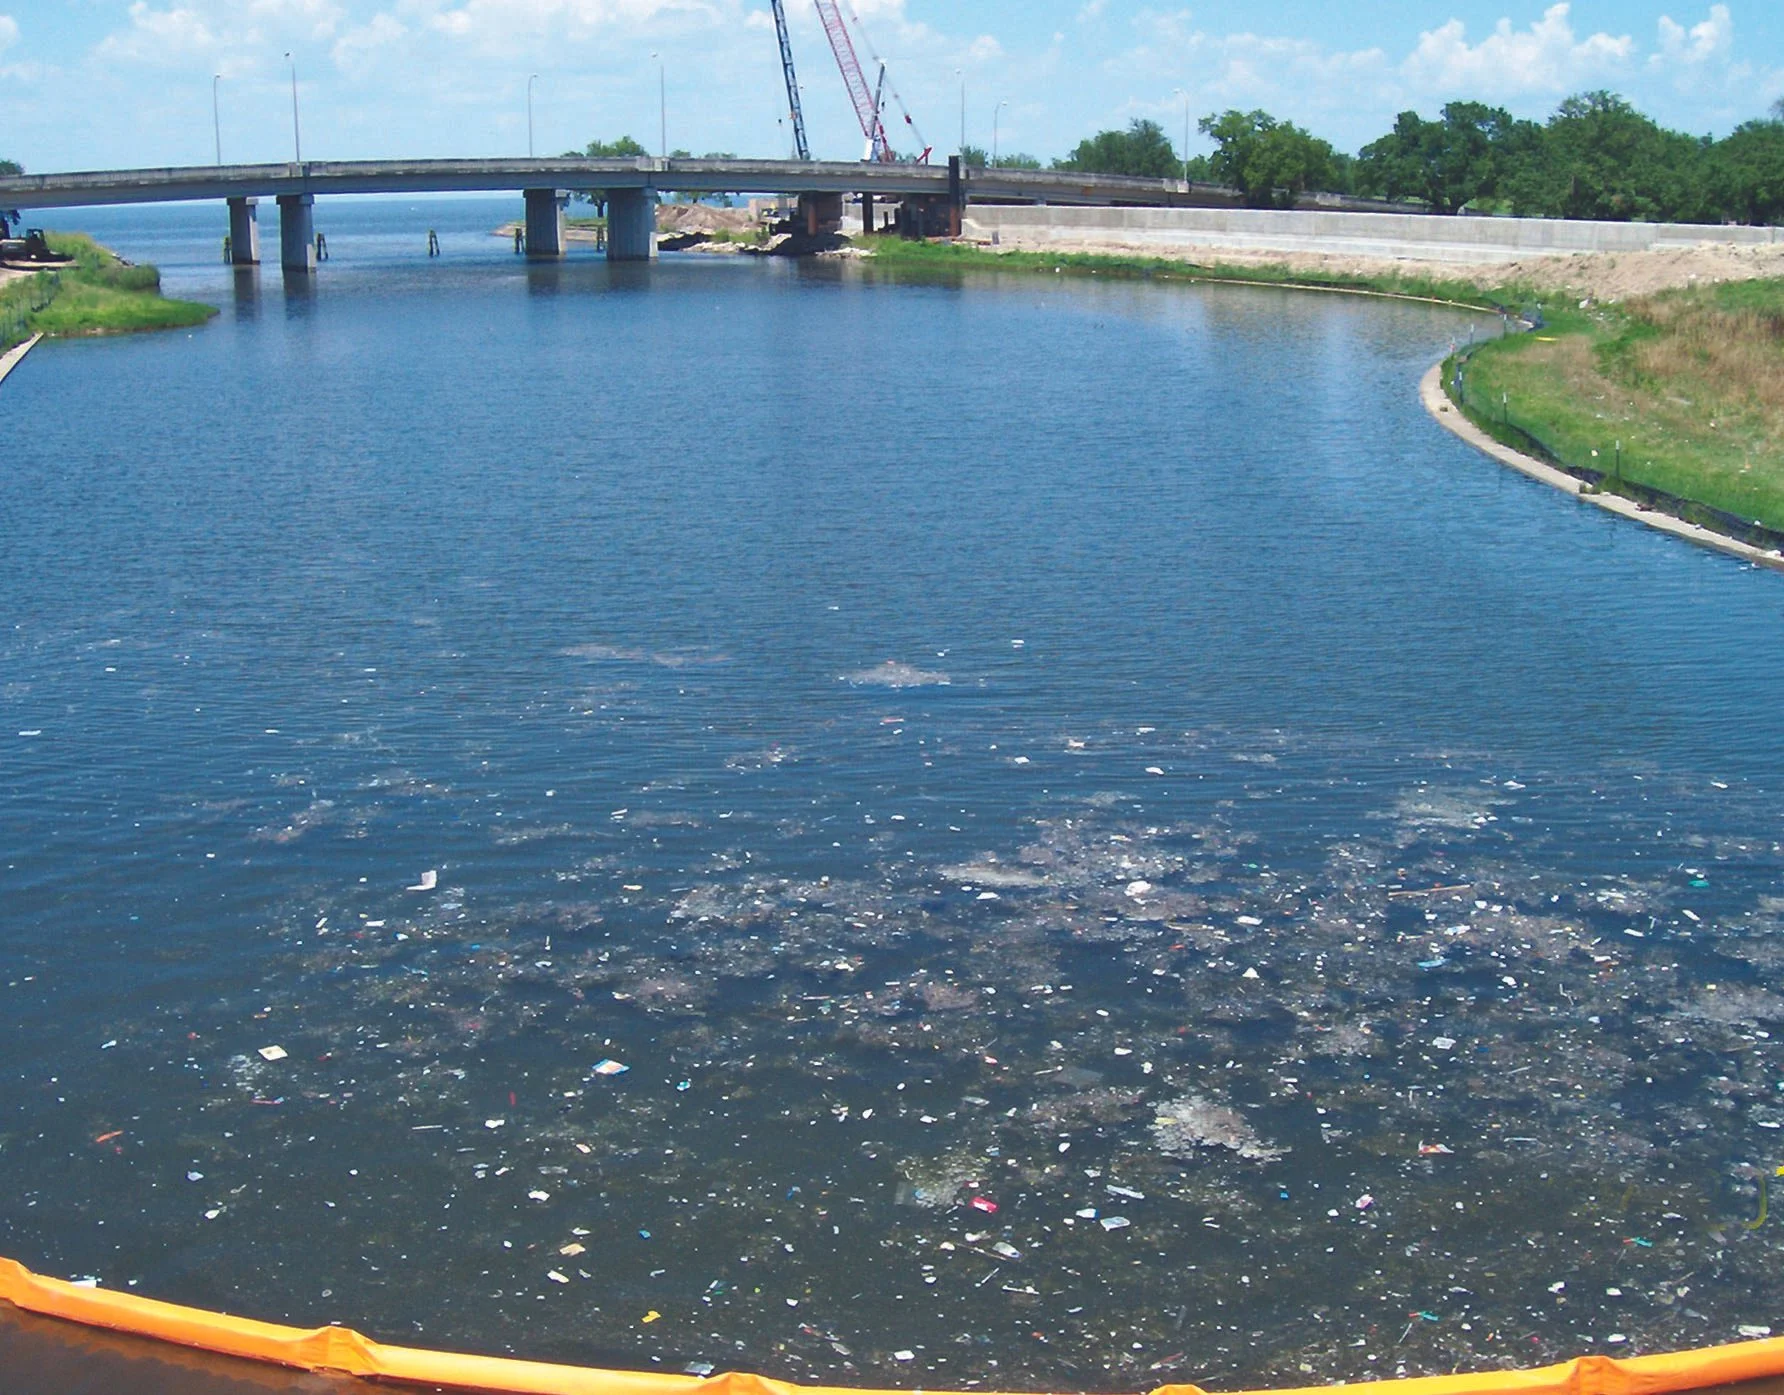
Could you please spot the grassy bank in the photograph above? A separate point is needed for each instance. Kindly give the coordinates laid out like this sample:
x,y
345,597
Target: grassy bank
x,y
1689,382
945,256
97,295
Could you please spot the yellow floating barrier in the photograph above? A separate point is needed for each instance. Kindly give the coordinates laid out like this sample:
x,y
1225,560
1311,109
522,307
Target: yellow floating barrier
x,y
341,1350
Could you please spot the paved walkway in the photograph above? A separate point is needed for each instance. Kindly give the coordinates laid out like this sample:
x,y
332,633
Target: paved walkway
x,y
1438,405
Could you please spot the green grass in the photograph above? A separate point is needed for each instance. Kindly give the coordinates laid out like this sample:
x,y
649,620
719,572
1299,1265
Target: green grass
x,y
896,253
1691,382
98,295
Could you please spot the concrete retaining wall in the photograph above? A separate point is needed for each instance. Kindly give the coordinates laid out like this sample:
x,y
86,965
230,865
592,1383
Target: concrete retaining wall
x,y
1412,237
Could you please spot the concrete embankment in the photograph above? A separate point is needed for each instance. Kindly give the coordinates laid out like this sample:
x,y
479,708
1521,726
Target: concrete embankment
x,y
13,356
1386,236
1437,403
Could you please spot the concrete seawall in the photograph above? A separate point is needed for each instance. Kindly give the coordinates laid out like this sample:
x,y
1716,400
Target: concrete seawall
x,y
1396,236
15,355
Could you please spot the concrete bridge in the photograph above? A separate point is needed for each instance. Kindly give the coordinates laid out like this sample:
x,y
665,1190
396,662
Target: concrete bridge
x,y
630,186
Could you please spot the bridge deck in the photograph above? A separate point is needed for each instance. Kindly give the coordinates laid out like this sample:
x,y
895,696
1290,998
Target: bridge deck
x,y
83,188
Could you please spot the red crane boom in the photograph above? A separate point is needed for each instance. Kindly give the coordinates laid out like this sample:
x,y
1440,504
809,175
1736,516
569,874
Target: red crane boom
x,y
866,109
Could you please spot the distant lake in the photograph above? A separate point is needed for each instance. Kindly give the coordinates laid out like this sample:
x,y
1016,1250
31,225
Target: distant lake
x,y
1005,831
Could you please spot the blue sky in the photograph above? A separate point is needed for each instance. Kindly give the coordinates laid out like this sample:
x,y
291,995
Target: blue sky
x,y
101,83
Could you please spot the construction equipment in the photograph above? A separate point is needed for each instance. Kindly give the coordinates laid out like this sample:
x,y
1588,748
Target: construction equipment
x,y
33,249
866,109
869,105
800,144
880,108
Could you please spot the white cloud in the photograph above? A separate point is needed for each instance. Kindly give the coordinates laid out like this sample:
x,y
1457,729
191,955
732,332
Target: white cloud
x,y
1092,10
358,48
1547,57
1250,69
1702,43
9,32
160,37
505,25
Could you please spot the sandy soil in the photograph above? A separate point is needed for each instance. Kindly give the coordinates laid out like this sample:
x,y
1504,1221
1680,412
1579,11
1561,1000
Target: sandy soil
x,y
1602,275
699,217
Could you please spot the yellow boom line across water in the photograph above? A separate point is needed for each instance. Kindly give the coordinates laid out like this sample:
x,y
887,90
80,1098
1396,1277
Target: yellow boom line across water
x,y
339,1349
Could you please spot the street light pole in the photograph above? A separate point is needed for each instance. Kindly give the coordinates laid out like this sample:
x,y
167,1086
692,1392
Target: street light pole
x,y
1185,95
662,109
297,139
216,117
996,112
531,79
961,74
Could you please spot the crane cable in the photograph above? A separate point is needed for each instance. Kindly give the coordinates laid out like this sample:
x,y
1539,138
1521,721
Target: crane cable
x,y
904,111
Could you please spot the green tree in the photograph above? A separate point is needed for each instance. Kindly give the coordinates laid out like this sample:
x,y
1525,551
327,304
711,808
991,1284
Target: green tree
x,y
1142,149
624,148
8,168
1448,163
1270,162
1748,171
1601,158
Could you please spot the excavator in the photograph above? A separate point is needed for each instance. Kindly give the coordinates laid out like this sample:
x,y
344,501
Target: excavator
x,y
30,250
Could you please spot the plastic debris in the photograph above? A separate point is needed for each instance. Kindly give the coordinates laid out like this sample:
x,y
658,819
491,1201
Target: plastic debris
x,y
610,1067
429,880
273,1053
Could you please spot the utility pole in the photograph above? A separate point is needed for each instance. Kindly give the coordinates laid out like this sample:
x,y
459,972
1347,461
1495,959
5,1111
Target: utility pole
x,y
996,112
216,118
531,79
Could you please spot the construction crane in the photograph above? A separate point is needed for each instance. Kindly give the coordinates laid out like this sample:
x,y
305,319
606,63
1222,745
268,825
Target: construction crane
x,y
800,144
867,109
869,105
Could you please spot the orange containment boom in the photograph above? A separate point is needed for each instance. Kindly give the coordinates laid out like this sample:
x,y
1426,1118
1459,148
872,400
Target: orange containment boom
x,y
338,1349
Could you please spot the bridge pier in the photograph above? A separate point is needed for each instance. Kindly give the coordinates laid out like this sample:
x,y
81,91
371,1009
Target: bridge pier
x,y
244,233
631,225
297,232
545,222
820,214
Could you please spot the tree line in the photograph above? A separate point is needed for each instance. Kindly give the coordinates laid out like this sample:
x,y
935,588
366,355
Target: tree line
x,y
1596,157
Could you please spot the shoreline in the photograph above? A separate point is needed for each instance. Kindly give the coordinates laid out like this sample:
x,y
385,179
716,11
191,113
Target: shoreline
x,y
1450,417
16,355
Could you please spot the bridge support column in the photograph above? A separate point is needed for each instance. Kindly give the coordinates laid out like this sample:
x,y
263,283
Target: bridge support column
x,y
297,232
545,222
820,214
631,225
244,232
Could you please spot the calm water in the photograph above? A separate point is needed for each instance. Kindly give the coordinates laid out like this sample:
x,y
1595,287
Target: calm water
x,y
1110,847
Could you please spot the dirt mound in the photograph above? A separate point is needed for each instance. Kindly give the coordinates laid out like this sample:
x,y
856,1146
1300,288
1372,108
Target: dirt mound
x,y
1619,275
1602,275
700,218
